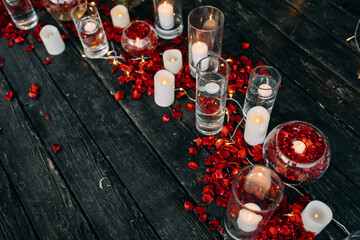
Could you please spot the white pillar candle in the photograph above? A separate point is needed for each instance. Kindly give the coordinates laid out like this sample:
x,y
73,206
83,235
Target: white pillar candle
x,y
172,59
298,146
257,122
199,50
166,15
164,84
264,90
120,16
52,40
316,216
248,221
210,24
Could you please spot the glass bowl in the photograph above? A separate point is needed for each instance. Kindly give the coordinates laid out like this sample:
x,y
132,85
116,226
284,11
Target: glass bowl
x,y
297,151
139,39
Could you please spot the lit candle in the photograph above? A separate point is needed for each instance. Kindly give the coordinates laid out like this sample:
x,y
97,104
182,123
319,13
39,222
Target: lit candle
x,y
261,177
264,90
256,126
210,24
90,27
164,83
212,88
120,16
166,15
199,50
248,221
172,59
316,216
298,146
52,40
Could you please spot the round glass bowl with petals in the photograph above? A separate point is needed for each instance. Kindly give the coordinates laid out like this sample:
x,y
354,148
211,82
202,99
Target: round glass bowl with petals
x,y
297,151
139,39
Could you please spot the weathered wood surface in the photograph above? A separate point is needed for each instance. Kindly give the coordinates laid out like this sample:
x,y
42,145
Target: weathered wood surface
x,y
144,161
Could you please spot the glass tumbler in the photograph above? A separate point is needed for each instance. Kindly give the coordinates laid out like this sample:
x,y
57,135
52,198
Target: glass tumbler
x,y
205,31
168,18
90,29
22,13
264,82
354,236
212,75
256,192
61,9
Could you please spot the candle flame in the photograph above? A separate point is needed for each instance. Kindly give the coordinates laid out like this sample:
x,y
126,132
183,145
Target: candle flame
x,y
120,14
316,215
93,3
172,60
165,4
137,39
257,120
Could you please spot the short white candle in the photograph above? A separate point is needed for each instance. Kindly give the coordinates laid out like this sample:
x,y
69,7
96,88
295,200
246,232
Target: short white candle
x,y
90,27
210,24
172,59
164,84
166,15
199,50
120,16
212,88
298,146
257,122
264,90
52,40
248,221
316,216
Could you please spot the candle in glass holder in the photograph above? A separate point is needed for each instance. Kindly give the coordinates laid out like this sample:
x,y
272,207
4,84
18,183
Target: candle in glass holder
x,y
256,126
264,90
52,40
166,15
316,216
172,59
210,24
248,221
120,16
164,83
299,146
199,51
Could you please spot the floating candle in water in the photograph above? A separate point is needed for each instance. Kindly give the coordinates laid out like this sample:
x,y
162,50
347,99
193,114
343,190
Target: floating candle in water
x,y
212,88
264,90
90,27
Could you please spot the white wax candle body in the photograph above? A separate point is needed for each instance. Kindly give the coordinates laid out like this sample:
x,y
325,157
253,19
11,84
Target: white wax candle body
x,y
316,216
52,40
298,146
210,24
248,221
164,84
212,88
90,27
166,15
261,177
120,16
199,50
172,59
256,126
264,90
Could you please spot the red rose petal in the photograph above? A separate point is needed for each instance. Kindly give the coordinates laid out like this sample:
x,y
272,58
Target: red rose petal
x,y
11,44
55,148
188,206
33,94
166,118
202,217
176,115
193,165
47,61
9,95
231,108
34,88
200,210
19,39
29,47
47,116
214,224
64,36
193,151
190,106
180,94
245,45
1,59
119,95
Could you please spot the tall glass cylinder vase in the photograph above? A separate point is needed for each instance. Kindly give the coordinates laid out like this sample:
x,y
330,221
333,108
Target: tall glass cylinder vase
x,y
22,13
61,9
205,32
256,192
168,18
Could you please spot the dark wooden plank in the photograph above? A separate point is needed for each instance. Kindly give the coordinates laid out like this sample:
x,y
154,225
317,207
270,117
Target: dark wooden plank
x,y
111,211
350,6
154,188
14,223
49,204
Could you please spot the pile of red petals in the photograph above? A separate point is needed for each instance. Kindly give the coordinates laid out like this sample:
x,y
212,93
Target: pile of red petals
x,y
33,90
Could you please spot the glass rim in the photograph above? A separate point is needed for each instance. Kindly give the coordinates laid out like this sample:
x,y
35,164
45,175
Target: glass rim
x,y
318,131
87,7
278,79
257,211
217,58
207,30
139,21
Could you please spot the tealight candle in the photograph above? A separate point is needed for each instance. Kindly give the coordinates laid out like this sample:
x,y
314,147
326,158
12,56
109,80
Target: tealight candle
x,y
298,146
166,15
212,88
264,90
164,84
172,59
120,16
210,24
199,50
248,221
90,27
316,216
256,126
52,40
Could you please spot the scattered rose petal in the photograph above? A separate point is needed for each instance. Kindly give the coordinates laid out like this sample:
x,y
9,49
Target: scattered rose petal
x,y
55,148
11,44
200,210
47,61
202,217
176,115
245,45
180,94
33,94
29,47
214,224
193,151
19,39
34,87
1,59
193,165
47,116
166,118
119,95
9,95
64,36
190,106
188,206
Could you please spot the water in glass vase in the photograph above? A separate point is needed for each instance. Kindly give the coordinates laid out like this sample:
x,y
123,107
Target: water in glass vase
x,y
210,104
22,13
